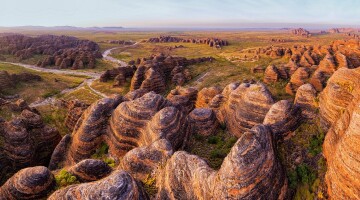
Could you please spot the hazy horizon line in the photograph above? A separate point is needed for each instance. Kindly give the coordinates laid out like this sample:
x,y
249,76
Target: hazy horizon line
x,y
274,26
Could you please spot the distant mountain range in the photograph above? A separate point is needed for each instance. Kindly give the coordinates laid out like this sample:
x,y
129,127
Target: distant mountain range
x,y
111,28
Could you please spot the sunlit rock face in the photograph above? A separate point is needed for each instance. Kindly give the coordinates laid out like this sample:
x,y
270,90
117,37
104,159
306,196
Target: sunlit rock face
x,y
144,120
341,115
203,121
29,183
245,107
118,185
250,171
306,99
283,117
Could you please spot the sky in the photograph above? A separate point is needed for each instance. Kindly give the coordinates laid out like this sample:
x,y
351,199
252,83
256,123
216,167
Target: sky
x,y
180,13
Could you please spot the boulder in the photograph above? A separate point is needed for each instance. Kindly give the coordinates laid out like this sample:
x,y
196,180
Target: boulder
x,y
90,170
144,161
205,95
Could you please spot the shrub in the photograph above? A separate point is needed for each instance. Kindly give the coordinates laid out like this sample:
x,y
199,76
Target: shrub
x,y
218,153
64,178
302,174
214,139
316,144
109,161
100,152
150,185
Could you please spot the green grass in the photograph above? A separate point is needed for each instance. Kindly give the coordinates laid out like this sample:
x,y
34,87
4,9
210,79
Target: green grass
x,y
83,94
108,88
51,93
38,90
212,149
55,117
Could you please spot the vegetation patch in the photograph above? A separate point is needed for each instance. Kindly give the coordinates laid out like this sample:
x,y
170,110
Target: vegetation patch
x,y
64,178
213,149
102,154
149,184
303,160
55,117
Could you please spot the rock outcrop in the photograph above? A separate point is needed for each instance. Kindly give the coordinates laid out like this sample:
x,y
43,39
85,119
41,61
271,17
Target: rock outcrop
x,y
62,51
90,170
26,141
144,161
271,75
298,79
75,110
183,97
87,134
212,42
337,95
250,171
301,32
203,121
283,117
29,183
245,106
339,109
118,185
153,72
205,95
305,98
143,121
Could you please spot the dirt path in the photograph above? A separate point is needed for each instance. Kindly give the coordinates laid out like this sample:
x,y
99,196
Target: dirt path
x,y
92,76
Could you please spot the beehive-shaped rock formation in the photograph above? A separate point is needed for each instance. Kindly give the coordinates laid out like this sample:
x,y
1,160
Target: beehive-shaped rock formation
x,y
205,95
283,117
306,99
119,185
29,183
203,121
245,107
250,171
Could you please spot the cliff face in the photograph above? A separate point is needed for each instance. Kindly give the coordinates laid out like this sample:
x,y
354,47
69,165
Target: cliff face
x,y
341,114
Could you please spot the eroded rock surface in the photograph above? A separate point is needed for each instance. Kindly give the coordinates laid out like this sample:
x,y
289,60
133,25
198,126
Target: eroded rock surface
x,y
245,106
26,141
283,117
341,112
118,185
29,183
250,171
61,51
